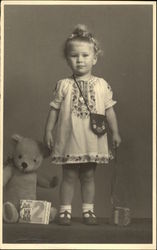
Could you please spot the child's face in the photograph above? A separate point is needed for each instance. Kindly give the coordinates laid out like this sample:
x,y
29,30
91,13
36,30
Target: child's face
x,y
81,57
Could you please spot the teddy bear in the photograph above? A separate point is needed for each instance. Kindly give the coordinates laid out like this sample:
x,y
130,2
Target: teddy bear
x,y
20,178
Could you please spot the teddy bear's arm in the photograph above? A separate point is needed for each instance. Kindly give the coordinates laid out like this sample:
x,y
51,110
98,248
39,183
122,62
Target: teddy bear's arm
x,y
43,182
7,173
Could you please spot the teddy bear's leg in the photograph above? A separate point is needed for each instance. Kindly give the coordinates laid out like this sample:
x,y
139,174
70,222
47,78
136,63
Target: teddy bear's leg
x,y
10,213
53,213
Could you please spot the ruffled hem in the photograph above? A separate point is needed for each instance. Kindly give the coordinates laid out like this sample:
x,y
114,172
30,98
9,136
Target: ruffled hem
x,y
69,159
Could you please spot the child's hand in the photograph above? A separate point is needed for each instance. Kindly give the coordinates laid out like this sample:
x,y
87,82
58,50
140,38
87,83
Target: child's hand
x,y
49,140
116,140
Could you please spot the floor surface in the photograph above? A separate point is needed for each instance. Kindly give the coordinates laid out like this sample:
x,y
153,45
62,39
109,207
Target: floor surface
x,y
139,231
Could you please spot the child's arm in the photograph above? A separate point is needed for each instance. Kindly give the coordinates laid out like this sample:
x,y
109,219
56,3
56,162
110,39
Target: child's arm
x,y
112,121
50,124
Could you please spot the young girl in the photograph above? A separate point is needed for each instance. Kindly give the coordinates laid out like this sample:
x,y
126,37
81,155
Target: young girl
x,y
68,133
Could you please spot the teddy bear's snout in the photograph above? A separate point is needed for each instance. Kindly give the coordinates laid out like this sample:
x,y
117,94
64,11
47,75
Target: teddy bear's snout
x,y
24,165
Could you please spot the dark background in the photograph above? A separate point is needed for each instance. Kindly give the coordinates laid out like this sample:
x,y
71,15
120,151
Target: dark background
x,y
33,62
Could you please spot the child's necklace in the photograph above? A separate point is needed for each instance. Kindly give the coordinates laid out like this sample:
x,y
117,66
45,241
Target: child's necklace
x,y
81,99
82,86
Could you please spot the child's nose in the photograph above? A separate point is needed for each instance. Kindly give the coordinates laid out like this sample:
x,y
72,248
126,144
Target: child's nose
x,y
79,58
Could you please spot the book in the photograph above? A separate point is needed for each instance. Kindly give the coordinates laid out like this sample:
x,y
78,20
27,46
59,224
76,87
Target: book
x,y
34,211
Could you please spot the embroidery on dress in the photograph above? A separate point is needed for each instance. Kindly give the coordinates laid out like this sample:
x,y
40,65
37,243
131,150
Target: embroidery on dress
x,y
109,87
78,106
56,94
84,158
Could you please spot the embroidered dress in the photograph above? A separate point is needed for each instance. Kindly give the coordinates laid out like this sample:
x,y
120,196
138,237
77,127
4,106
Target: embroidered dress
x,y
74,141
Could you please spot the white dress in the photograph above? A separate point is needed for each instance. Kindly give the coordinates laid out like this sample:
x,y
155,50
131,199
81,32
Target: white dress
x,y
74,141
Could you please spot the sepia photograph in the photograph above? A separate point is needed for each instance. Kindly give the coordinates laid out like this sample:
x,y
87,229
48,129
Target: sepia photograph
x,y
78,119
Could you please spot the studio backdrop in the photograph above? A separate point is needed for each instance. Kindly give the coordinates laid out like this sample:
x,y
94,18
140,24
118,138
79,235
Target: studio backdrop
x,y
34,37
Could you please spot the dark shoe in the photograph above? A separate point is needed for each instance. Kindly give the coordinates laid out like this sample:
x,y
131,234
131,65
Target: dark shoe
x,y
91,219
65,221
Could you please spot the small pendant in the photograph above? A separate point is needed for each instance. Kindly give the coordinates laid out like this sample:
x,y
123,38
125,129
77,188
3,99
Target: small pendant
x,y
81,99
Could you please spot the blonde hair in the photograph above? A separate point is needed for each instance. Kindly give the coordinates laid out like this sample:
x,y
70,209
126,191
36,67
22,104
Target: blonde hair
x,y
81,33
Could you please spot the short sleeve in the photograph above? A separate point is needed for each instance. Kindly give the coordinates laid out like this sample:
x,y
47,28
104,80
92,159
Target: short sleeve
x,y
109,102
58,95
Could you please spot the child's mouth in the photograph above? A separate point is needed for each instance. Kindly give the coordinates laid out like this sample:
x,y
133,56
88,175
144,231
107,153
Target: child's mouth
x,y
80,66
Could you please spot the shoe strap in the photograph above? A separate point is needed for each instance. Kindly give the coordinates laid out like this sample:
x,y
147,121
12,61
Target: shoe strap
x,y
89,212
65,213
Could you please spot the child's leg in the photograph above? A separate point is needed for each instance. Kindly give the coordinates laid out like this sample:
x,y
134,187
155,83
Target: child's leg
x,y
70,173
87,179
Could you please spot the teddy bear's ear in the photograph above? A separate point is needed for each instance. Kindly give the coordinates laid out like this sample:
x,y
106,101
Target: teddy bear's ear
x,y
16,137
44,149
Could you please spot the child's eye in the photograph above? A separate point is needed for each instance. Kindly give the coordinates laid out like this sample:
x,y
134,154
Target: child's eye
x,y
85,55
73,55
20,156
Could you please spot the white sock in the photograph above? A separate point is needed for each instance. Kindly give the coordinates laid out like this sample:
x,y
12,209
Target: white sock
x,y
86,207
64,208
